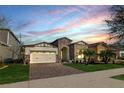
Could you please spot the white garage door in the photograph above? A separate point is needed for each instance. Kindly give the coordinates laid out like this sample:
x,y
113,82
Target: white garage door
x,y
42,57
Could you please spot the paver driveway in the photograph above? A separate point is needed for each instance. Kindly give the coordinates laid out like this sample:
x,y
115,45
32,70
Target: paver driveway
x,y
39,71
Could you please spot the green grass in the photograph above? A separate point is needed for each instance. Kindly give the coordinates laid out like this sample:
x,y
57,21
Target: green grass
x,y
95,67
14,73
120,77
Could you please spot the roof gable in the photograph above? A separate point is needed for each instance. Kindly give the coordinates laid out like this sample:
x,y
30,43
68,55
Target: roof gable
x,y
55,42
80,42
62,39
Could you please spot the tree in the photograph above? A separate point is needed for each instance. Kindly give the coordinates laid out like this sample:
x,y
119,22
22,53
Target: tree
x,y
4,23
88,54
107,55
115,22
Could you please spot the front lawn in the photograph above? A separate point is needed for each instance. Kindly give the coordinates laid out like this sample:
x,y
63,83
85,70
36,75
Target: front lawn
x,y
95,67
120,77
14,73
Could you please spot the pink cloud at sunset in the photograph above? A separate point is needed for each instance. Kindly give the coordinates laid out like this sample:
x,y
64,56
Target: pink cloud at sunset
x,y
97,38
96,20
48,31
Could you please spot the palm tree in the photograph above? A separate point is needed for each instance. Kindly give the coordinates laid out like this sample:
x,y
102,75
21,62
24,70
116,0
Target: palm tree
x,y
88,54
107,55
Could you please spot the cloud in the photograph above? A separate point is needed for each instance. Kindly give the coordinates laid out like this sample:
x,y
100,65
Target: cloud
x,y
97,19
25,25
89,15
47,32
97,38
76,23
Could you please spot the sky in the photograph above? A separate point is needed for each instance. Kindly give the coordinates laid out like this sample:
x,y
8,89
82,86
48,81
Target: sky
x,y
47,23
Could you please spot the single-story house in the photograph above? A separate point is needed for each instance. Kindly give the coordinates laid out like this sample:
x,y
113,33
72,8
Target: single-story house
x,y
9,45
60,50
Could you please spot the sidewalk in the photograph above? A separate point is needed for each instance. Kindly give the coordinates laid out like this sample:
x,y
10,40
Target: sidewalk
x,y
99,79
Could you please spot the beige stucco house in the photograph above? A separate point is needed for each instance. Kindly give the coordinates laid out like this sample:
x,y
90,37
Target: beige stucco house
x,y
9,45
60,50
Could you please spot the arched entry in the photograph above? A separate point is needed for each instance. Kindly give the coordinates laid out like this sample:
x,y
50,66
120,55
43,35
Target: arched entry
x,y
64,54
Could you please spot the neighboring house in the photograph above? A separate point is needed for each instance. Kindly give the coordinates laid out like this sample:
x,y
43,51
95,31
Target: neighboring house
x,y
9,45
98,47
118,49
114,50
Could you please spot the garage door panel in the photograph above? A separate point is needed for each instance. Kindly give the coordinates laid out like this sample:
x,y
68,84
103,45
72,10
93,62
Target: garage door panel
x,y
41,57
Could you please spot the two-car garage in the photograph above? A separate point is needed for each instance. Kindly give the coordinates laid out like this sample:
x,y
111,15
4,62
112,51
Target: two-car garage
x,y
41,53
43,57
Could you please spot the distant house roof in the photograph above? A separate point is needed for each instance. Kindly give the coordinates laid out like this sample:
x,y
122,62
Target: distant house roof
x,y
98,43
10,33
